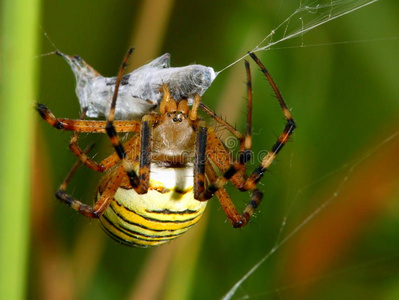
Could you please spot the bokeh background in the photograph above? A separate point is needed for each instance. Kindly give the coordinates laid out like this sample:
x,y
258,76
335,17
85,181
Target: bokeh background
x,y
328,226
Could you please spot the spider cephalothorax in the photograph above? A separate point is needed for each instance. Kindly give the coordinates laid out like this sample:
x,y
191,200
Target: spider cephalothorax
x,y
157,184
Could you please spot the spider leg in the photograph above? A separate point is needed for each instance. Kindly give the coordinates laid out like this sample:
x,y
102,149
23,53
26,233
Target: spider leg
x,y
139,183
93,126
194,108
145,153
245,148
208,144
250,183
83,157
106,163
101,204
202,194
84,126
111,131
218,156
246,143
89,162
214,149
245,140
199,164
218,153
283,138
236,219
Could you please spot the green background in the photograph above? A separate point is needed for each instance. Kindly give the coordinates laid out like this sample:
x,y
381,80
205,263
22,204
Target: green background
x,y
344,98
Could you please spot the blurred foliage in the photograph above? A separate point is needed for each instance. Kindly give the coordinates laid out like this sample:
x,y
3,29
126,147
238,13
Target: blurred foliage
x,y
344,98
18,83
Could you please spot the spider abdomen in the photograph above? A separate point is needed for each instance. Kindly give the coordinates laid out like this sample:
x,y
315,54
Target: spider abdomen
x,y
165,212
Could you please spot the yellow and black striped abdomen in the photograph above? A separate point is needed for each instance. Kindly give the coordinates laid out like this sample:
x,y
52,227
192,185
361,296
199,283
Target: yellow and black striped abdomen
x,y
164,213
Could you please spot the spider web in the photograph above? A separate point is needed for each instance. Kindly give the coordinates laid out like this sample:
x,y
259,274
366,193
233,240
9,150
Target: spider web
x,y
347,169
308,16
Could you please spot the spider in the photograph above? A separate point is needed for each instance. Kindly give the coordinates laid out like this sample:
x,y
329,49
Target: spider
x,y
157,184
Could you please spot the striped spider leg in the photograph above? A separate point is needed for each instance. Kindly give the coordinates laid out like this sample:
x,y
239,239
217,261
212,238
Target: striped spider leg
x,y
110,126
218,154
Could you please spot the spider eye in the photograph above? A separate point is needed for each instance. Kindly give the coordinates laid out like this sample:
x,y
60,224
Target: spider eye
x,y
168,114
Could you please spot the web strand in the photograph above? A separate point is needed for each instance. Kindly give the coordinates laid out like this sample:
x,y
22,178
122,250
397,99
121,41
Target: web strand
x,y
309,15
351,167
